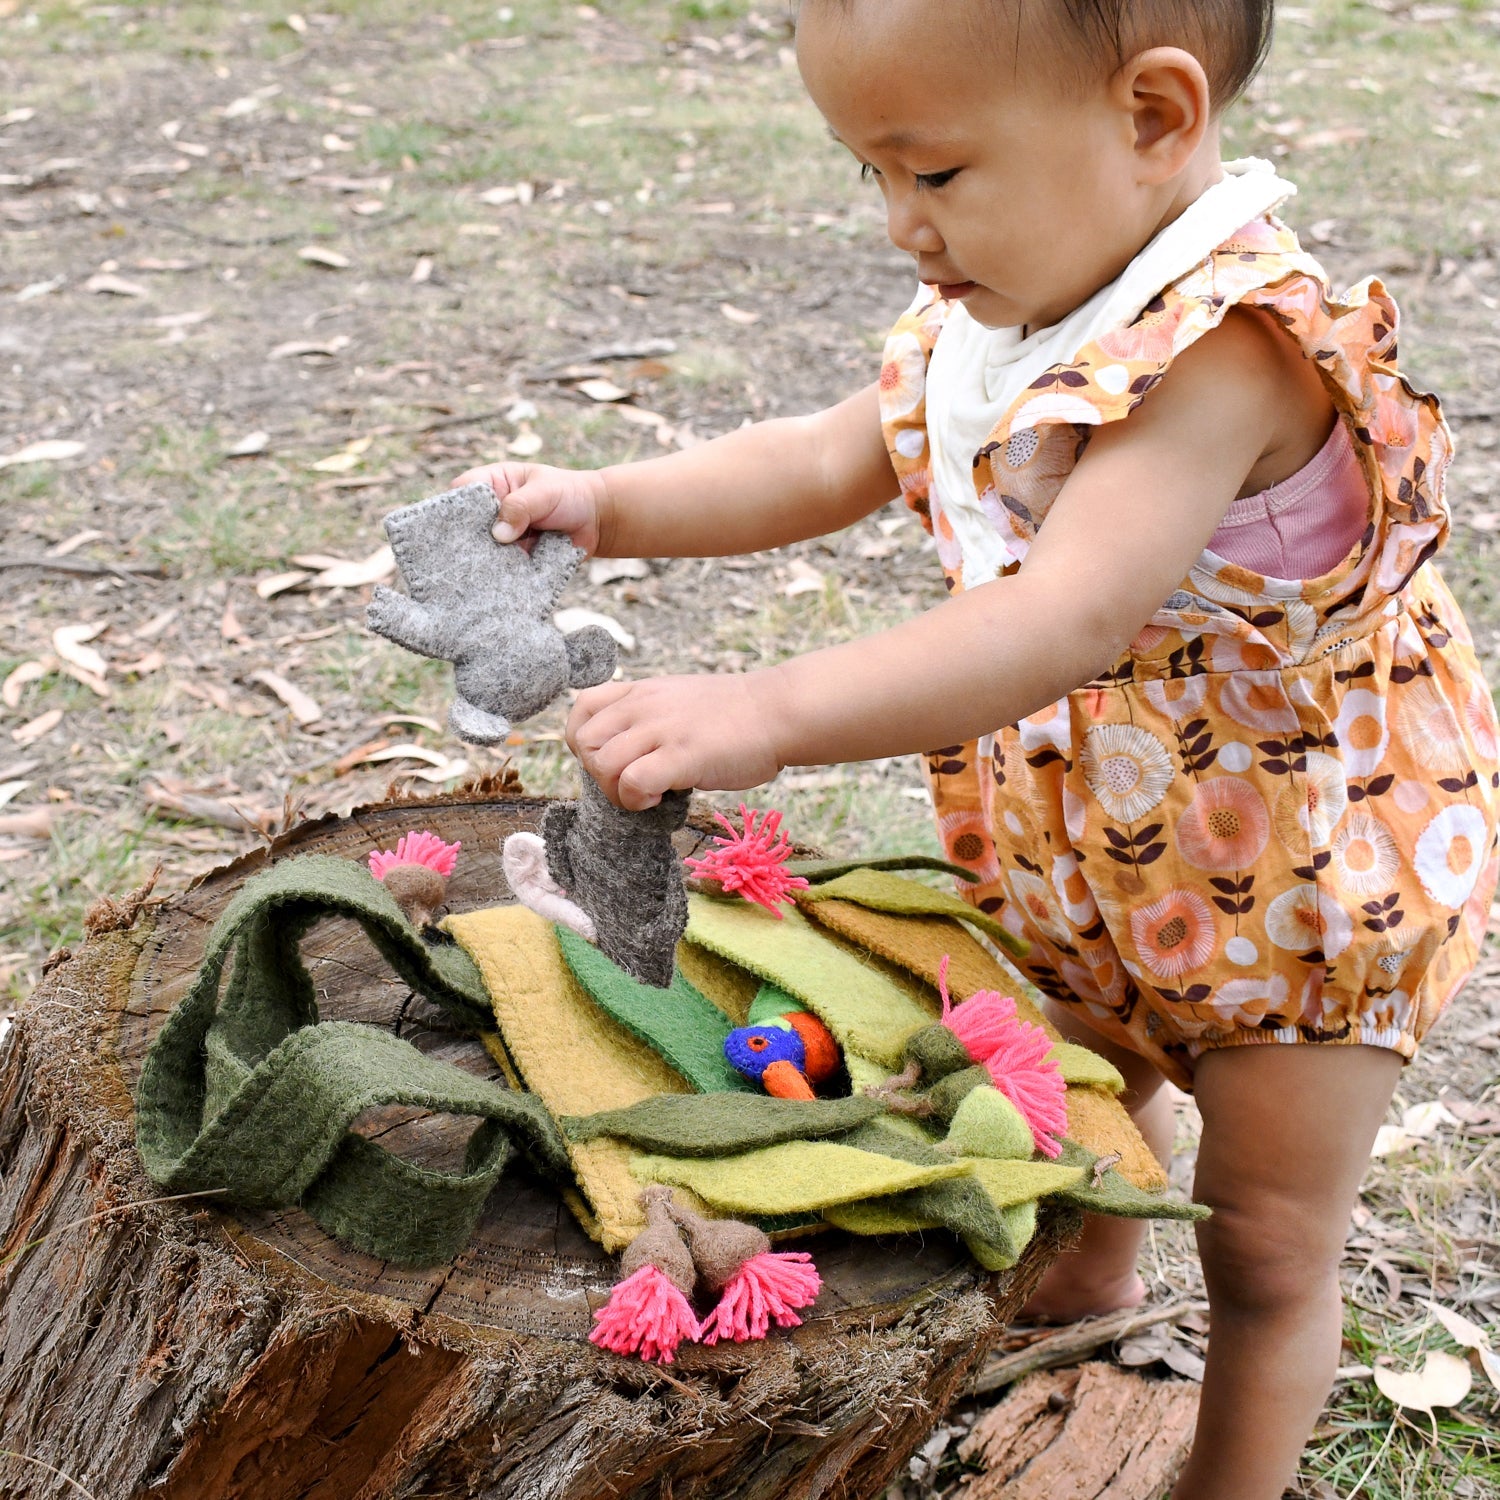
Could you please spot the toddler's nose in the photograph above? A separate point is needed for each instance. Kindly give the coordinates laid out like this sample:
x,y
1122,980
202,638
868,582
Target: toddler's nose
x,y
909,228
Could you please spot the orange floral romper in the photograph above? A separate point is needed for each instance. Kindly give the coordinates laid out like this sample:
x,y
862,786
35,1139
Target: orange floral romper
x,y
1274,819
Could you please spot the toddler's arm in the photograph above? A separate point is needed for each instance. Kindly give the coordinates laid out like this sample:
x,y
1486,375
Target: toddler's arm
x,y
761,486
1131,520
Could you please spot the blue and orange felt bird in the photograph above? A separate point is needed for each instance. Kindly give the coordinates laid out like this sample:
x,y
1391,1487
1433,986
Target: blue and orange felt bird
x,y
785,1049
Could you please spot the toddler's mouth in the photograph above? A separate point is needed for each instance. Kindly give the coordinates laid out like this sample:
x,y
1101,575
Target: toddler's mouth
x,y
955,291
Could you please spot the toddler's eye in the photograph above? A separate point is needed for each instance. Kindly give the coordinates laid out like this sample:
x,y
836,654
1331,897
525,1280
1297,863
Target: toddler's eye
x,y
866,171
931,180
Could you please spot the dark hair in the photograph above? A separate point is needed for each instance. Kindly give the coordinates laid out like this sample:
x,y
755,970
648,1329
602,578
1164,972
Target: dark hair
x,y
1229,37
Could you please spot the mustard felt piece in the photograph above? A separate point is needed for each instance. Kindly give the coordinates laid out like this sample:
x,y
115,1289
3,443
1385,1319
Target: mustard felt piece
x,y
793,1177
883,890
869,1014
568,1051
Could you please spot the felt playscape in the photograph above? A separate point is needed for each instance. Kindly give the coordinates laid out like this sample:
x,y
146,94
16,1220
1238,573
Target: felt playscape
x,y
910,1110
244,1337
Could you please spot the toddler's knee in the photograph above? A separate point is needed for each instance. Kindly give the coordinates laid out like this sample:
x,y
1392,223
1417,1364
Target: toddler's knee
x,y
1263,1258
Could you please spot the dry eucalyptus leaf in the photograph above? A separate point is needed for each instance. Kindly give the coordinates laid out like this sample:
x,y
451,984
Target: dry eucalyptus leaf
x,y
422,270
152,661
114,286
525,444
316,255
91,680
568,620
68,642
604,570
449,771
11,789
1423,1120
305,709
16,682
43,724
337,463
279,583
1443,1380
640,417
1460,1329
738,314
805,579
300,348
50,450
402,752
251,443
376,568
602,390
34,823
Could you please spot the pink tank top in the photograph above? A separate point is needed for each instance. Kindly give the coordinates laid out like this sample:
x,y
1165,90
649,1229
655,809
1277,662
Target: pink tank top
x,y
1305,525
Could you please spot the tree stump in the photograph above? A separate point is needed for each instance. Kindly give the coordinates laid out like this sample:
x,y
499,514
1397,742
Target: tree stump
x,y
178,1350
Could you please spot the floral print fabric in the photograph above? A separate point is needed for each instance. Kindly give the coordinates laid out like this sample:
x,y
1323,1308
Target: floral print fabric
x,y
1274,819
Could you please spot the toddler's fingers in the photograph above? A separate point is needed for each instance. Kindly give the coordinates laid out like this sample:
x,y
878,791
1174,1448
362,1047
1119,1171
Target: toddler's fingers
x,y
644,782
592,702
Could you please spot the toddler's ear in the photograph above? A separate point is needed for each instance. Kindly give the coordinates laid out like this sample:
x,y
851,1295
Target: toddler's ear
x,y
1166,92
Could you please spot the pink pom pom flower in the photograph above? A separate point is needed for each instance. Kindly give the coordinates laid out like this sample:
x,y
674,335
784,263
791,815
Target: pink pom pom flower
x,y
422,848
645,1315
981,1021
751,862
767,1288
1017,1056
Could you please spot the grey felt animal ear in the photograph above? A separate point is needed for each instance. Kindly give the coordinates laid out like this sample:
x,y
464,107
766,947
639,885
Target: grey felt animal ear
x,y
487,608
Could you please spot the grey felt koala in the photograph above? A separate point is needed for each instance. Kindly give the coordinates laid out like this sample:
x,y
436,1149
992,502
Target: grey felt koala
x,y
621,868
486,608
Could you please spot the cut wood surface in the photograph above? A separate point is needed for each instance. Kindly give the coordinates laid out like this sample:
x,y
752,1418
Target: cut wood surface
x,y
177,1350
1093,1432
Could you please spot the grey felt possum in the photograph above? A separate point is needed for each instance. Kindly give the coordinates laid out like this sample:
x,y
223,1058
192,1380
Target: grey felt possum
x,y
487,608
621,868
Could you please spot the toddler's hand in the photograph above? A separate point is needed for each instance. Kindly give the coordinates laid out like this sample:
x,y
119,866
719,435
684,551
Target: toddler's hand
x,y
641,739
535,497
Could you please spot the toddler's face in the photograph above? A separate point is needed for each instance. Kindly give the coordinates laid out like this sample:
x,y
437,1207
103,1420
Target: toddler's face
x,y
1012,196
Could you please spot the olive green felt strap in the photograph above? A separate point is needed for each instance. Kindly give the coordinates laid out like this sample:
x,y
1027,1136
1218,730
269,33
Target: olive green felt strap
x,y
883,890
818,870
251,1095
680,1023
722,1124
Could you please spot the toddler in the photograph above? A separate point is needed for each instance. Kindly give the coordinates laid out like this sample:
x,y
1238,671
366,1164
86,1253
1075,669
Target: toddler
x,y
1214,737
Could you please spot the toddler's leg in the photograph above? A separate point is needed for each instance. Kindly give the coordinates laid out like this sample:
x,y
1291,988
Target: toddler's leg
x,y
1287,1132
1100,1275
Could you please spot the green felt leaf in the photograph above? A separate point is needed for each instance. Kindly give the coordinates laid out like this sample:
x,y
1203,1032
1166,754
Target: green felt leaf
x,y
818,870
1082,1065
792,1177
1112,1194
680,1023
722,1124
986,1123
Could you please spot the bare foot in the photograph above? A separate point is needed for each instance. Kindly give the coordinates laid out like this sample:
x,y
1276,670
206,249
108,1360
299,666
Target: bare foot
x,y
1065,1296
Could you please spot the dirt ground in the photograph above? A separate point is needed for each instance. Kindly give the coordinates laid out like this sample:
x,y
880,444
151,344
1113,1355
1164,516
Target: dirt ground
x,y
265,276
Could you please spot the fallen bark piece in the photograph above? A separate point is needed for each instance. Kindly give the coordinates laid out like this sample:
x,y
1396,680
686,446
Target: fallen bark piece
x,y
1089,1433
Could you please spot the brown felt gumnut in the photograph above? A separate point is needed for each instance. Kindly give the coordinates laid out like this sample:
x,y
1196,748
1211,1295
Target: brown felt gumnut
x,y
419,891
660,1244
720,1246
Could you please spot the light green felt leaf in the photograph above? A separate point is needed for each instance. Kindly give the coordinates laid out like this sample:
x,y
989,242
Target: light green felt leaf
x,y
869,1015
1082,1065
792,1177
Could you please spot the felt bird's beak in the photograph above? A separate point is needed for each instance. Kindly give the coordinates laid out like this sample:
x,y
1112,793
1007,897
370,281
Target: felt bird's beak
x,y
782,1080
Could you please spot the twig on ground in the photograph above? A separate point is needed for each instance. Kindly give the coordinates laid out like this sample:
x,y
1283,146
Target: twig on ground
x,y
1076,1341
81,565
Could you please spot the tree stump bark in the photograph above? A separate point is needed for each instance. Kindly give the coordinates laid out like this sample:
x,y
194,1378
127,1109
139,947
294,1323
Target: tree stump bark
x,y
177,1350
